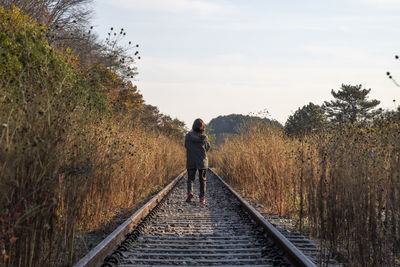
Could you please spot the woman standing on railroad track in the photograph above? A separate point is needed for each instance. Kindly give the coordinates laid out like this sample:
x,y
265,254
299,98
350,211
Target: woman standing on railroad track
x,y
197,144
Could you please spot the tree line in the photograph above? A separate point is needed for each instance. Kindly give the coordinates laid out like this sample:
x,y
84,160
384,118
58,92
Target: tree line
x,y
109,63
223,127
350,105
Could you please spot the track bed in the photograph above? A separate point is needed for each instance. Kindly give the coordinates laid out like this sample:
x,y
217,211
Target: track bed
x,y
216,233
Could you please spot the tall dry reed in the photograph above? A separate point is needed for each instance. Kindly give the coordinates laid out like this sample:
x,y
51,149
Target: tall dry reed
x,y
260,163
342,185
96,172
67,162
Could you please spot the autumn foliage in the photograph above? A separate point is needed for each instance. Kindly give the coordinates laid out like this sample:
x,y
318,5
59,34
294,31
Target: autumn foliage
x,y
73,147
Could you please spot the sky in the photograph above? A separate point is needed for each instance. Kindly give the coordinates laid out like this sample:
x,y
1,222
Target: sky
x,y
206,58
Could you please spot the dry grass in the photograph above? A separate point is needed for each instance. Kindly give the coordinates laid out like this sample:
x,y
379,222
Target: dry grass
x,y
251,162
68,162
138,161
342,186
97,171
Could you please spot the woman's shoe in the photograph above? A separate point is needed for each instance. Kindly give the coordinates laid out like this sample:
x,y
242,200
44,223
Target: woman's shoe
x,y
202,200
189,197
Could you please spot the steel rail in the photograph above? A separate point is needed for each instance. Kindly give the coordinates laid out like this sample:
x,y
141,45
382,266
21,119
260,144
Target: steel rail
x,y
96,256
294,253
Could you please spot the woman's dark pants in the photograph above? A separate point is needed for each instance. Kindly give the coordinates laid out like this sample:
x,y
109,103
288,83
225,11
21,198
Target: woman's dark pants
x,y
202,180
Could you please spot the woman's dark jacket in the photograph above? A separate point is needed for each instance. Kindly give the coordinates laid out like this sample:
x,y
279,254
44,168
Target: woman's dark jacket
x,y
196,147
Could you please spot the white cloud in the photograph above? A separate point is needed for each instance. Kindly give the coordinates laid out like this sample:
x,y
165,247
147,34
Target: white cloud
x,y
275,57
230,83
388,4
395,2
198,7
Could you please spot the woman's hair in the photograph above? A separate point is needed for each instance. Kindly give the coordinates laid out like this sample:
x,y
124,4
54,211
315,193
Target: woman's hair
x,y
199,126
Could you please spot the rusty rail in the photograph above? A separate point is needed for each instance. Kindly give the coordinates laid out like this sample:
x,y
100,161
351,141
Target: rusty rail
x,y
96,256
295,254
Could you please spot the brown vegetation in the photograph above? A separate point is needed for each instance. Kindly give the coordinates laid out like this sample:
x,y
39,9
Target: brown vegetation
x,y
342,185
73,146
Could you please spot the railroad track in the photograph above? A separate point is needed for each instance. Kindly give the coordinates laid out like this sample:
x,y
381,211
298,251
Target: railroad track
x,y
225,230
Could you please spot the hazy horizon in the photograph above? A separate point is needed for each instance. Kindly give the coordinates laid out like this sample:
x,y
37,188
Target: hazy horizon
x,y
210,58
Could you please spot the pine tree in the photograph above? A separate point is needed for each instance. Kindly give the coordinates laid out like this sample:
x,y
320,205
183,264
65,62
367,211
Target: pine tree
x,y
351,104
310,118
